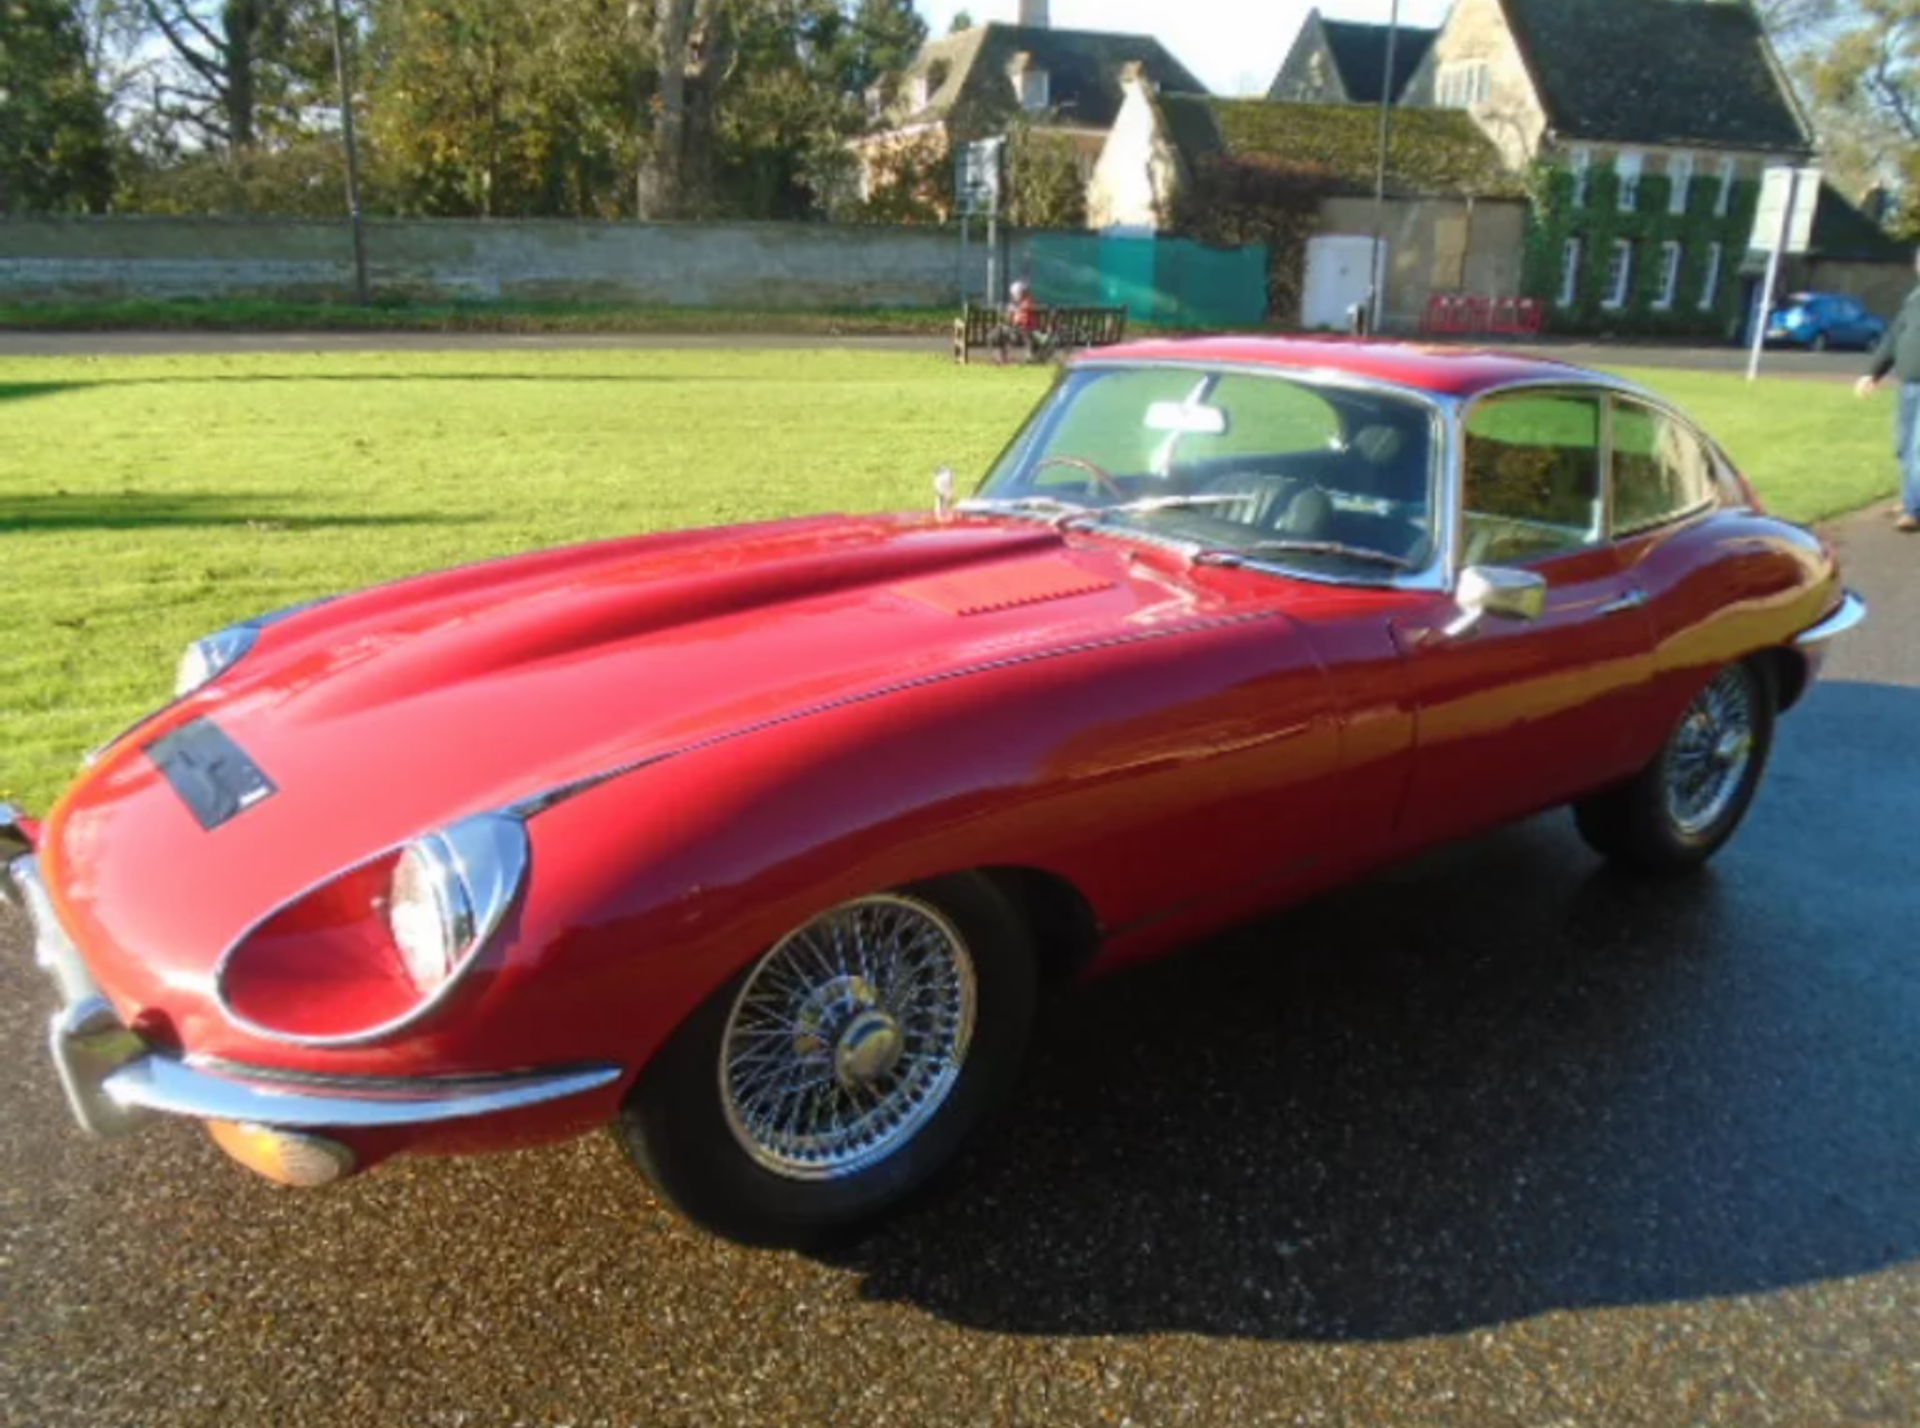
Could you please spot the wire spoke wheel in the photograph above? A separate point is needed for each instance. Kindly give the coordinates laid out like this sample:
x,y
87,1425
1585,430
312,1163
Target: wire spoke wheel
x,y
1710,753
847,1038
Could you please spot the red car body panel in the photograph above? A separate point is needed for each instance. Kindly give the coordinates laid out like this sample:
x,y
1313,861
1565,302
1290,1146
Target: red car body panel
x,y
757,723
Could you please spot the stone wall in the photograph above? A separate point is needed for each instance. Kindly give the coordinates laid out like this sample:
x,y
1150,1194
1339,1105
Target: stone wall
x,y
748,265
1437,245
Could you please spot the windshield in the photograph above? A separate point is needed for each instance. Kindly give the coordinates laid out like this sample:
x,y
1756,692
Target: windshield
x,y
1280,469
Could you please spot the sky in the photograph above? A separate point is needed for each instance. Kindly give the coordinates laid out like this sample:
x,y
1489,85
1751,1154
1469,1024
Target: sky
x,y
1234,46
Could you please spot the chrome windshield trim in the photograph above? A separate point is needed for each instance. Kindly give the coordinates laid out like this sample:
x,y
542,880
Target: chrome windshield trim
x,y
234,1093
1852,610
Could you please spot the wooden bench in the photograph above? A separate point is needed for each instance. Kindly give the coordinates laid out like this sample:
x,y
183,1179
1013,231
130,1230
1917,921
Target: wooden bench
x,y
1064,328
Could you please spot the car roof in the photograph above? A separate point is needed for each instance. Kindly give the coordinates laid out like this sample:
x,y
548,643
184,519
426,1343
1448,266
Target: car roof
x,y
1443,371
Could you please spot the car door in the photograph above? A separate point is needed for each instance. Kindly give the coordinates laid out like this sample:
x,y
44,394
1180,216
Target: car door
x,y
1517,715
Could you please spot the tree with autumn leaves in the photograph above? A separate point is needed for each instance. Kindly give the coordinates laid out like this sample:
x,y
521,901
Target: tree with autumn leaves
x,y
565,108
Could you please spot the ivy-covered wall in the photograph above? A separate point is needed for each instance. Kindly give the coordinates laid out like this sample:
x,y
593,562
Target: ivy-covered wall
x,y
1599,223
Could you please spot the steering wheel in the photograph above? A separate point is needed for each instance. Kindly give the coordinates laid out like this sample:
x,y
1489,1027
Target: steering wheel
x,y
1097,476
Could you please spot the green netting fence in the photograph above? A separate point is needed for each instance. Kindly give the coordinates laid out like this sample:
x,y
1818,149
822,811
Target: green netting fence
x,y
1171,280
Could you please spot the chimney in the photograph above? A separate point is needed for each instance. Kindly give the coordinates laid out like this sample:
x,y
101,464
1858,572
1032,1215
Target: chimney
x,y
1034,13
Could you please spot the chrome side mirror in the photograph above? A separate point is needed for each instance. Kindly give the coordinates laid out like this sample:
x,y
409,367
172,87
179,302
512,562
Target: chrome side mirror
x,y
1495,590
943,492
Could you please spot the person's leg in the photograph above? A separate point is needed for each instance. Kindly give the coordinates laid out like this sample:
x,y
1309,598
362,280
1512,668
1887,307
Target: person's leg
x,y
1908,437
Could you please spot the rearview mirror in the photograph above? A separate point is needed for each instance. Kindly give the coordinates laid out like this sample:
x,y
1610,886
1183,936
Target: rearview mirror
x,y
1495,590
1187,418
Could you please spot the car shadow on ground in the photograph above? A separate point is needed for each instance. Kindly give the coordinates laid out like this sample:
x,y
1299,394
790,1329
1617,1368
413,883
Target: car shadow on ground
x,y
1502,1081
141,510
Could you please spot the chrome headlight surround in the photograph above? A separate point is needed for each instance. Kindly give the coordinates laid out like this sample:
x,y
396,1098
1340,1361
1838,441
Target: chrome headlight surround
x,y
449,892
466,878
210,656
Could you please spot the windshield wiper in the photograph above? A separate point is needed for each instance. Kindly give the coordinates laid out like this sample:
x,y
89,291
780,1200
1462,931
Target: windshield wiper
x,y
1169,503
1233,554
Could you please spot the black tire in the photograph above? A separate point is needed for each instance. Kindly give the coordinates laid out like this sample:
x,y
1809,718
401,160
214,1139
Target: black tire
x,y
1633,823
675,1123
1819,343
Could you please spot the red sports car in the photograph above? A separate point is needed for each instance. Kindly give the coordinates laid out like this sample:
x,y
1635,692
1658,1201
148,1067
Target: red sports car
x,y
757,843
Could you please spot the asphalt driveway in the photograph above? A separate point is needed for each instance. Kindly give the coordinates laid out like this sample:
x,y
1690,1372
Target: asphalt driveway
x,y
1500,1138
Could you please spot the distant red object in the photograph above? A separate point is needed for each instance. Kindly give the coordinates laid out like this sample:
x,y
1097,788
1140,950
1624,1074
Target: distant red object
x,y
1469,315
756,843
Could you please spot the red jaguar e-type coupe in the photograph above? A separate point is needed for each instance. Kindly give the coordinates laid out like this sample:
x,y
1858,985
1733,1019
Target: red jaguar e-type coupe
x,y
756,843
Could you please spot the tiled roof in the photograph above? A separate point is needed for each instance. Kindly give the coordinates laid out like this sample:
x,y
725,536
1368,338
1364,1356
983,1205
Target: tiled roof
x,y
1658,72
1083,71
1360,53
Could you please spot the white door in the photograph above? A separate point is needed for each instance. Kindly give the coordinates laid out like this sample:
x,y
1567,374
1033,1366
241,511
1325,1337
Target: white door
x,y
1337,278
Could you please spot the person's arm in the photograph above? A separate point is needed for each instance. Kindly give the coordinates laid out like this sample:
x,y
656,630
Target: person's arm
x,y
1880,362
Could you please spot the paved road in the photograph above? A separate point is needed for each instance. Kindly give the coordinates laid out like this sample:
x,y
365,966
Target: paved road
x,y
93,344
1501,1138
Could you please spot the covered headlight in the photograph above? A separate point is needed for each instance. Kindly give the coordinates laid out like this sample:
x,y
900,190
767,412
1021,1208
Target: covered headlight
x,y
429,912
206,658
379,946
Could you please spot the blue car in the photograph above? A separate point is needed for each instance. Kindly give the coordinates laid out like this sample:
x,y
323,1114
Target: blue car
x,y
1818,321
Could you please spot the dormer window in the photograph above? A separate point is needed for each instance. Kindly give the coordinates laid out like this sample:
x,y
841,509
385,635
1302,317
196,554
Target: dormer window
x,y
1030,83
928,83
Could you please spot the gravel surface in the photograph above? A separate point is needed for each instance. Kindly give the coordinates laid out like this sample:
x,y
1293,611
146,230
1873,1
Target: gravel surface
x,y
1499,1138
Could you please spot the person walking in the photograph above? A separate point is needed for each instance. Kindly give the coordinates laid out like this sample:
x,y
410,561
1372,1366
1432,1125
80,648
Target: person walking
x,y
1899,352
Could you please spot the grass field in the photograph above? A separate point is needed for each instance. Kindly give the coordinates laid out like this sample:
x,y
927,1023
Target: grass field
x,y
145,501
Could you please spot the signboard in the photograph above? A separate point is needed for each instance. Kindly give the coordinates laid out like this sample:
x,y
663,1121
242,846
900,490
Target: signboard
x,y
978,173
1779,188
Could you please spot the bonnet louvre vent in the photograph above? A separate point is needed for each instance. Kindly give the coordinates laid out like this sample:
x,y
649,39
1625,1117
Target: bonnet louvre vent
x,y
984,589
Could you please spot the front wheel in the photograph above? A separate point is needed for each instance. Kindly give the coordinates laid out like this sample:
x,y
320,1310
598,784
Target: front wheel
x,y
1678,811
832,1078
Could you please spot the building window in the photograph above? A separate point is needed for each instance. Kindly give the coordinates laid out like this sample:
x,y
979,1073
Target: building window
x,y
1465,84
1680,176
1626,168
1619,275
1570,273
1035,90
1725,200
1669,275
1710,284
1582,170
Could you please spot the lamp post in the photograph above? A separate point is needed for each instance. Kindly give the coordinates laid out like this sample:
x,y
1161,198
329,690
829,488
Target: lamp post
x,y
353,162
1377,278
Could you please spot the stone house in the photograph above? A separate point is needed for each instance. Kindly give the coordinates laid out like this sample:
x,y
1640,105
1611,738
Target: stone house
x,y
982,80
1344,62
1647,125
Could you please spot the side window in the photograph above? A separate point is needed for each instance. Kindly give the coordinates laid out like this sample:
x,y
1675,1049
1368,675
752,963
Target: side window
x,y
1661,470
1532,478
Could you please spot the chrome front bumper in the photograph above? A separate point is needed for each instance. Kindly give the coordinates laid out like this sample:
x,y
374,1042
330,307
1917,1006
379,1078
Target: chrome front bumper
x,y
1842,621
1816,643
114,1079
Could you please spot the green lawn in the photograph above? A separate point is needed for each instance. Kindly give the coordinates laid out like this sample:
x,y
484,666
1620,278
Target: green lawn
x,y
144,501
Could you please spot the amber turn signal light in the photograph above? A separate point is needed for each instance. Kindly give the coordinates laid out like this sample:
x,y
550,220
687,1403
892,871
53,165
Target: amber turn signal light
x,y
284,1157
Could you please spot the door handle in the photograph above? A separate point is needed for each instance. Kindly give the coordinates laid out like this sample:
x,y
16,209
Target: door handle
x,y
1632,600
